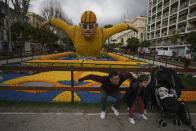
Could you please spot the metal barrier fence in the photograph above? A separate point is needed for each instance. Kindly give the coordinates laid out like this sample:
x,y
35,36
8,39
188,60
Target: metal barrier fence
x,y
72,87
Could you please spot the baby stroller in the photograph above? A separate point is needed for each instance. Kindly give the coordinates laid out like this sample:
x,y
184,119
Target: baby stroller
x,y
166,89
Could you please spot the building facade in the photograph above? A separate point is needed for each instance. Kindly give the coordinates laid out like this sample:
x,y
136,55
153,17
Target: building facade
x,y
166,18
34,19
139,23
7,17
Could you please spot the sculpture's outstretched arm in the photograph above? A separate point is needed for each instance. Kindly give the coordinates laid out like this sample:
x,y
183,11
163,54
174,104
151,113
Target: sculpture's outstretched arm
x,y
69,29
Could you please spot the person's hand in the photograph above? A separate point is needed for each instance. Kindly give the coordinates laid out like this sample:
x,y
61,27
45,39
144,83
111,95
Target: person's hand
x,y
131,26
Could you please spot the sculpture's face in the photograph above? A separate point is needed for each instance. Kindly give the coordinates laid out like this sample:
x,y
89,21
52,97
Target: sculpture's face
x,y
88,29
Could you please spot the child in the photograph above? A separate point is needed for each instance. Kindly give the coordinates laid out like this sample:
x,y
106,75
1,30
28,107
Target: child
x,y
135,96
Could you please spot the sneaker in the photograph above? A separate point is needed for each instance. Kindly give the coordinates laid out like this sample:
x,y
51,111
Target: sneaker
x,y
103,114
131,120
116,113
143,116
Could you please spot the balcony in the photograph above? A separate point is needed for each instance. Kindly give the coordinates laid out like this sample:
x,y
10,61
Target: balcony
x,y
154,2
172,31
165,15
158,26
149,12
152,35
173,21
150,6
191,28
192,14
173,1
164,33
166,4
181,29
192,1
183,5
164,25
159,1
174,10
181,18
153,20
148,27
158,18
159,9
153,13
157,35
148,36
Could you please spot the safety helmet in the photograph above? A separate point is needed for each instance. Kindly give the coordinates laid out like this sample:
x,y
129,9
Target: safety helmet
x,y
88,17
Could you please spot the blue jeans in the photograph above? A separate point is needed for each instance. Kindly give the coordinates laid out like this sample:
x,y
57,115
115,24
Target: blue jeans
x,y
104,95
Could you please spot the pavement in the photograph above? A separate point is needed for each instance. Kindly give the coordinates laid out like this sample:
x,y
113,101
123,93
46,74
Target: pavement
x,y
18,121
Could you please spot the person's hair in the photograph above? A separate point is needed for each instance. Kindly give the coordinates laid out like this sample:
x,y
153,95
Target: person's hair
x,y
142,78
113,73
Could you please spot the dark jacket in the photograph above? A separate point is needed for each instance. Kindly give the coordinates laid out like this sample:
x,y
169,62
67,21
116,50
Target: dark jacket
x,y
134,91
166,77
105,81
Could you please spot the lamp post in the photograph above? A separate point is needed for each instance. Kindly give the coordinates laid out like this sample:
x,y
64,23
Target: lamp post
x,y
9,28
9,31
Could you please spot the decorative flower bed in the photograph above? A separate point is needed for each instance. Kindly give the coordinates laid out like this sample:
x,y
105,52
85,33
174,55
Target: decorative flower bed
x,y
63,79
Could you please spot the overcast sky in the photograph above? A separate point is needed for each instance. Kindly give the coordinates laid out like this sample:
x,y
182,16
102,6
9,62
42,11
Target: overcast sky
x,y
107,11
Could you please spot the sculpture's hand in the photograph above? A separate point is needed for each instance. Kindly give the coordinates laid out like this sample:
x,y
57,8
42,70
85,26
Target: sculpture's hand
x,y
131,26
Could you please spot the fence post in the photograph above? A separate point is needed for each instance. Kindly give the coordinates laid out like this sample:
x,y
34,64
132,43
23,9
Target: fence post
x,y
153,59
166,61
72,86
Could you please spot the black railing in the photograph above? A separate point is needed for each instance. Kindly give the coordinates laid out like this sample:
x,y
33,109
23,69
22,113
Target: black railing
x,y
73,87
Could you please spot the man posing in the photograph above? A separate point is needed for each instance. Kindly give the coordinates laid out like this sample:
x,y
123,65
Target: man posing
x,y
110,87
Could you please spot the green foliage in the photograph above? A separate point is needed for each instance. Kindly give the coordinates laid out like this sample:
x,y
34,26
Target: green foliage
x,y
133,43
188,80
107,26
20,29
191,39
21,8
22,32
174,38
145,43
111,46
68,41
69,46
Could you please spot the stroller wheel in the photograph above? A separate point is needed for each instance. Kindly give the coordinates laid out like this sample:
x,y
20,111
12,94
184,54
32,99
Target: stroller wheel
x,y
162,123
193,128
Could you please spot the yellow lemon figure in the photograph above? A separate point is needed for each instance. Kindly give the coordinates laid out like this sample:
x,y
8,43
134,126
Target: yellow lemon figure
x,y
88,39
